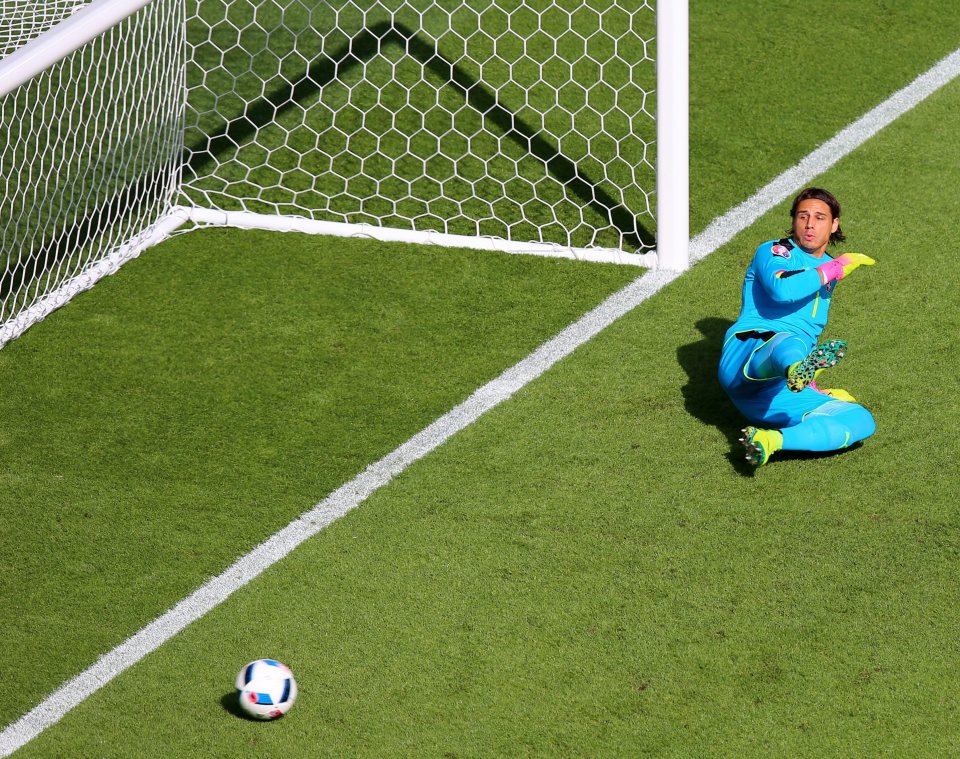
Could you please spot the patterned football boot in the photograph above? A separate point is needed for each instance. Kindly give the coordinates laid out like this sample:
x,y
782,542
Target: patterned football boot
x,y
801,374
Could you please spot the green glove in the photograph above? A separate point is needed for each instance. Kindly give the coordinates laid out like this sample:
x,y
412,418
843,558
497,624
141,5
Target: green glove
x,y
851,261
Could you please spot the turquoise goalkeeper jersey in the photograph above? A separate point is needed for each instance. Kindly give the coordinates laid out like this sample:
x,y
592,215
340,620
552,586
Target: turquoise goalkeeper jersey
x,y
782,292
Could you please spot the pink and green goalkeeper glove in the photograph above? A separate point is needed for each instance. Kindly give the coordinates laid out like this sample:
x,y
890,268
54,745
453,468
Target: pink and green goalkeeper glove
x,y
841,266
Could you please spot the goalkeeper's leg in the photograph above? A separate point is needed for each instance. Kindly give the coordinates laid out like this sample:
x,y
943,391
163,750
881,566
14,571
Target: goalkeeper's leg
x,y
776,356
831,427
804,421
790,356
808,420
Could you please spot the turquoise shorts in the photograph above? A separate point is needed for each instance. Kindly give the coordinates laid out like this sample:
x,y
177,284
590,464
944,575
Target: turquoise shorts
x,y
765,402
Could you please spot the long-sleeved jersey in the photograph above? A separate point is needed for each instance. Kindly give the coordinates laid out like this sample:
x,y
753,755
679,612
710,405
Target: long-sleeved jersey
x,y
782,292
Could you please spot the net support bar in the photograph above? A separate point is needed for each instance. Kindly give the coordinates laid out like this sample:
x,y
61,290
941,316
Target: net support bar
x,y
673,133
247,220
57,43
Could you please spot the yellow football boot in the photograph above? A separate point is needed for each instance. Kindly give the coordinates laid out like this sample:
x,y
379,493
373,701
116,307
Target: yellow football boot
x,y
760,444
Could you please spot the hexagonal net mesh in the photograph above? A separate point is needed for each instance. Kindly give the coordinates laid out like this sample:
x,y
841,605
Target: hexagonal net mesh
x,y
23,20
520,121
530,121
90,156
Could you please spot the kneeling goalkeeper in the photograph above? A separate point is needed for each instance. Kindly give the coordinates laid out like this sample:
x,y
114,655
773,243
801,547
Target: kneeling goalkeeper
x,y
770,355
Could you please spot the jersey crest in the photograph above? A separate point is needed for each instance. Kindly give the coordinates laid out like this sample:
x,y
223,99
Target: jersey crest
x,y
781,250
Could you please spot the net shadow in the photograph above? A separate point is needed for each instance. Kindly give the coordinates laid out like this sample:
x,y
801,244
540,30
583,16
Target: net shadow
x,y
371,42
60,256
54,253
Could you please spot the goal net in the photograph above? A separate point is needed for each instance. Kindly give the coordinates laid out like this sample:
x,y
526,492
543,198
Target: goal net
x,y
517,125
91,156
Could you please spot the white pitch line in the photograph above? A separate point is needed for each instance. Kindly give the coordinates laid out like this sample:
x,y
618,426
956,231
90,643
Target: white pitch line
x,y
724,228
347,497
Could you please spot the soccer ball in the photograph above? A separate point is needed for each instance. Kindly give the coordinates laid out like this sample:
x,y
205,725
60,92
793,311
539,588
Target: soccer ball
x,y
266,689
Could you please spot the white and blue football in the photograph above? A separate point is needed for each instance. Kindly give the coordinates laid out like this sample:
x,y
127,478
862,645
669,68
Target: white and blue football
x,y
266,689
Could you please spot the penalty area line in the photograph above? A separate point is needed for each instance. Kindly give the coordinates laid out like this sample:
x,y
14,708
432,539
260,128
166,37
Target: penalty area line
x,y
350,495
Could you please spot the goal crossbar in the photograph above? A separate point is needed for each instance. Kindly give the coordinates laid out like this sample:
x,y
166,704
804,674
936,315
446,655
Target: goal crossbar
x,y
51,47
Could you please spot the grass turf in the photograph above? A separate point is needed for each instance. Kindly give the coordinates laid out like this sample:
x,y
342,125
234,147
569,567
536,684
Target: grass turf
x,y
590,570
140,459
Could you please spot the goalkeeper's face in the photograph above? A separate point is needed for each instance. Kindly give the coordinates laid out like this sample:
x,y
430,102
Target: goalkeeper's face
x,y
813,223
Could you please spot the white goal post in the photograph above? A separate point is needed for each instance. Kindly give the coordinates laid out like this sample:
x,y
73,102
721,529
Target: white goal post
x,y
549,127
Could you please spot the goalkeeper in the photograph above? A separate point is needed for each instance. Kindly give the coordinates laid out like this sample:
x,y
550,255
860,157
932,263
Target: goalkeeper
x,y
770,355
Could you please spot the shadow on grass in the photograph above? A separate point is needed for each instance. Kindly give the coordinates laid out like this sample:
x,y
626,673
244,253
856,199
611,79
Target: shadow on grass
x,y
239,128
707,401
230,704
702,395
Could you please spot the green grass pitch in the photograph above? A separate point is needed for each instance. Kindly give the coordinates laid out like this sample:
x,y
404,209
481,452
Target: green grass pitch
x,y
588,570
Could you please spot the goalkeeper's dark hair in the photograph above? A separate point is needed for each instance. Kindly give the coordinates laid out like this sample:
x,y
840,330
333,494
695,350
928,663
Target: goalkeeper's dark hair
x,y
817,193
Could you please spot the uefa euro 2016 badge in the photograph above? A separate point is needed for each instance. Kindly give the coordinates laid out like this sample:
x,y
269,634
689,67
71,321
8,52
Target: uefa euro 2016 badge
x,y
781,250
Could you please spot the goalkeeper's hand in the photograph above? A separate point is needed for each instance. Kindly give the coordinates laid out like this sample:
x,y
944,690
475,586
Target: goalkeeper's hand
x,y
834,392
839,394
841,266
851,261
